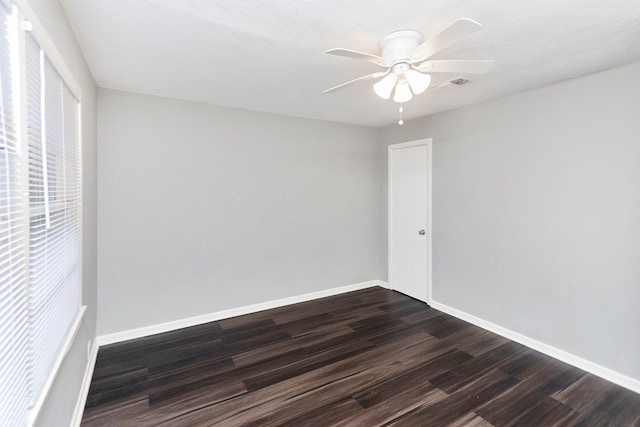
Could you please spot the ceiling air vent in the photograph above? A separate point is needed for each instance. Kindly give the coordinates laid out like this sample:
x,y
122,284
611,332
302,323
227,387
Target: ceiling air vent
x,y
459,81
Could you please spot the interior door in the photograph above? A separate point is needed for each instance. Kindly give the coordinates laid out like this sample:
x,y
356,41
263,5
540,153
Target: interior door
x,y
409,218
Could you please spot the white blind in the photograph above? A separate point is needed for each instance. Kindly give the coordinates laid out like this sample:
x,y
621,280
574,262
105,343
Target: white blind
x,y
40,221
54,212
13,238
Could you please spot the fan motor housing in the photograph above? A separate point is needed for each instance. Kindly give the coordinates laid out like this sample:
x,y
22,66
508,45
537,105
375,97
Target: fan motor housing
x,y
399,46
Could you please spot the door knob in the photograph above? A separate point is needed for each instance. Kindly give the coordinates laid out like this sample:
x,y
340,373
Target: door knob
x,y
422,232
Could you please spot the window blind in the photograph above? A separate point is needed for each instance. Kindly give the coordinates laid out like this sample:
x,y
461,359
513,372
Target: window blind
x,y
54,212
14,341
40,220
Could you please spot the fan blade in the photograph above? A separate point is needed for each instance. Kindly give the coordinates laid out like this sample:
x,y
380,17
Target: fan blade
x,y
460,66
454,32
348,53
437,85
367,77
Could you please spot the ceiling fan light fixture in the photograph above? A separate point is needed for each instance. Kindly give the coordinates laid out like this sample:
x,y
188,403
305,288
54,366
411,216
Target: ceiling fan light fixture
x,y
418,81
403,92
406,57
385,86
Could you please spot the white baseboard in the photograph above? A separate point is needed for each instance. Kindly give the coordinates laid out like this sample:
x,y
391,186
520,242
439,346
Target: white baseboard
x,y
84,388
598,370
383,284
212,317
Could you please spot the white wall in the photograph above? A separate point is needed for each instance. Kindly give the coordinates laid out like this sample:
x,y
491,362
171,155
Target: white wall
x,y
536,213
59,407
206,208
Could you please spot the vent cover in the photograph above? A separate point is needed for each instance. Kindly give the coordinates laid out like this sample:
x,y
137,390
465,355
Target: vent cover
x,y
459,81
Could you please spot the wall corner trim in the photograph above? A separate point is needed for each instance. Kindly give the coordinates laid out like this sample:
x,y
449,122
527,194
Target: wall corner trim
x,y
608,374
84,388
239,311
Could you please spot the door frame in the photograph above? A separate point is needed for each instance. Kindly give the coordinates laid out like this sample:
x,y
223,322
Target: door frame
x,y
428,142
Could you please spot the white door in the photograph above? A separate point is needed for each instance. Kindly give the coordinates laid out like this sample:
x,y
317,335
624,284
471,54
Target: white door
x,y
409,218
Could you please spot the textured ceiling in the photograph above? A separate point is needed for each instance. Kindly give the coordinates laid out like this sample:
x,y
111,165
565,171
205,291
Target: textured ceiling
x,y
268,55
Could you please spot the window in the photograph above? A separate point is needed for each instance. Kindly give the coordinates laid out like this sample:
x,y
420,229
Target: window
x,y
40,218
14,339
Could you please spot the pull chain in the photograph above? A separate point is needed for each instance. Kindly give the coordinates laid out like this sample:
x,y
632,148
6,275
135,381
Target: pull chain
x,y
400,110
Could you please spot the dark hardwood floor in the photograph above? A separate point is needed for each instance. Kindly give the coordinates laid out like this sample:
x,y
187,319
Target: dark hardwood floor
x,y
367,358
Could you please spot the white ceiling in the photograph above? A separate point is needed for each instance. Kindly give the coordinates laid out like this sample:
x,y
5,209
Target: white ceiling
x,y
268,55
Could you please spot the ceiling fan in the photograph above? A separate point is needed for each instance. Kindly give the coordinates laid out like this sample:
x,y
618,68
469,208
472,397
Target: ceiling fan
x,y
405,56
